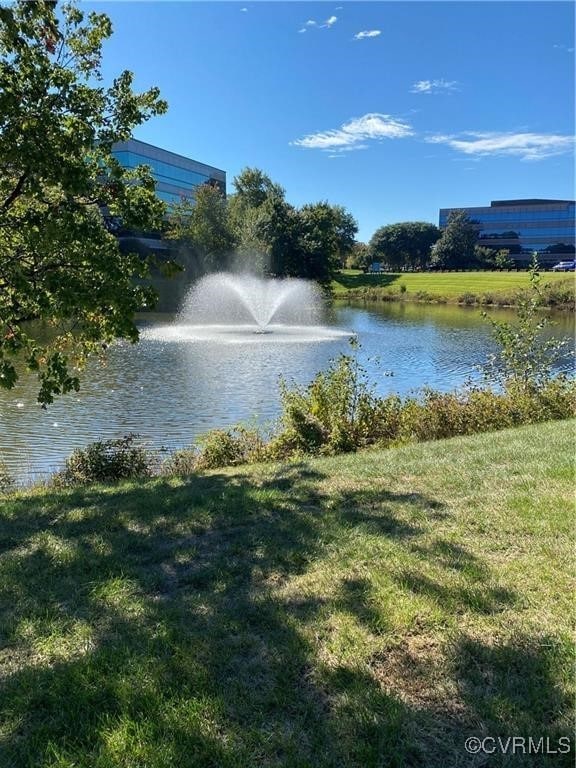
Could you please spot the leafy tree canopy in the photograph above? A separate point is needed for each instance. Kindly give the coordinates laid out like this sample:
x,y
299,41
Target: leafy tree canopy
x,y
59,263
326,237
310,241
264,224
406,244
455,248
359,257
267,234
201,232
491,259
254,188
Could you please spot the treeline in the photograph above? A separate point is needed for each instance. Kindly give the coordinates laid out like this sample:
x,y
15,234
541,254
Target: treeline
x,y
257,229
415,245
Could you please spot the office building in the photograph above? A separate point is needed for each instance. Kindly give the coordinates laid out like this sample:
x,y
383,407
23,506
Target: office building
x,y
525,226
176,176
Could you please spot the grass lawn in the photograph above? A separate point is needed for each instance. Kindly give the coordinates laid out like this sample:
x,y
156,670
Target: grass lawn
x,y
369,610
448,284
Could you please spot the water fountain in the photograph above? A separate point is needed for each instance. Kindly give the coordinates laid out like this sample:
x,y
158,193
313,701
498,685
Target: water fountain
x,y
233,308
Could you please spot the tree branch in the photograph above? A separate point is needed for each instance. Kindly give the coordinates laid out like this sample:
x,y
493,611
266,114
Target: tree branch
x,y
15,192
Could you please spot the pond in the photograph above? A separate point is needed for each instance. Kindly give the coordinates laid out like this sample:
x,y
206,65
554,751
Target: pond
x,y
171,391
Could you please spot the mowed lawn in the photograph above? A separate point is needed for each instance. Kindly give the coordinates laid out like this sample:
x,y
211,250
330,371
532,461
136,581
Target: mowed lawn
x,y
449,284
369,610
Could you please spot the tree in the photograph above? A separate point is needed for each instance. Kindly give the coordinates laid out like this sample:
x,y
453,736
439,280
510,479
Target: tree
x,y
359,257
275,237
326,237
484,257
502,259
492,259
58,261
200,231
253,187
455,248
406,244
264,224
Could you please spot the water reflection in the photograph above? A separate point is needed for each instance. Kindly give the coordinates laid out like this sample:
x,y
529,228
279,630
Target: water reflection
x,y
172,391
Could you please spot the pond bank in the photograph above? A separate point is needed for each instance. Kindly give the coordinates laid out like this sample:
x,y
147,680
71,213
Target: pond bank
x,y
485,289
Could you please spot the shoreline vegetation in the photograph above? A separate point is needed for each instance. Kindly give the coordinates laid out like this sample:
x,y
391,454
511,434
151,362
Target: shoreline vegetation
x,y
486,289
336,414
360,610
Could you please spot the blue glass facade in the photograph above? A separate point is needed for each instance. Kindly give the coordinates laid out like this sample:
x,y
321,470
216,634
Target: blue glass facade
x,y
525,226
176,176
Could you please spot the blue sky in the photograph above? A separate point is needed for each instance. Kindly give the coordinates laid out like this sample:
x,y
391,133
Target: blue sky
x,y
392,109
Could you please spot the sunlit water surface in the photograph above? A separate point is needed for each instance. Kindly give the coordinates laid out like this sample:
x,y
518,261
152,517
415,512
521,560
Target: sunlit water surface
x,y
180,381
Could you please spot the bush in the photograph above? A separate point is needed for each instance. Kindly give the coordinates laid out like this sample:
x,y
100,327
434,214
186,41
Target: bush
x,y
218,448
335,413
180,463
442,415
338,412
525,356
6,479
107,461
225,448
559,293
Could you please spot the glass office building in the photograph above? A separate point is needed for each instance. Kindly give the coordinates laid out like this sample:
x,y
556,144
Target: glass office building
x,y
525,226
176,176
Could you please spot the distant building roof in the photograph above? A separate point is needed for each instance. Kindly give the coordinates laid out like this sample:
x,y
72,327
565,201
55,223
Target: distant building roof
x,y
530,201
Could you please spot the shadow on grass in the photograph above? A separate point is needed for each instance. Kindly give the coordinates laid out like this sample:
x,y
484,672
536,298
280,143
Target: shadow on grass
x,y
363,280
141,627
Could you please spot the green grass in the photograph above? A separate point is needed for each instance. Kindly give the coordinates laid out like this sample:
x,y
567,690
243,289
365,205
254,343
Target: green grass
x,y
449,285
367,610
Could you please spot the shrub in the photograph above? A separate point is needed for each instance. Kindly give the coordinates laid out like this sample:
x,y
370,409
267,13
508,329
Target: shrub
x,y
107,461
224,448
338,412
6,479
559,293
525,356
335,413
181,463
441,415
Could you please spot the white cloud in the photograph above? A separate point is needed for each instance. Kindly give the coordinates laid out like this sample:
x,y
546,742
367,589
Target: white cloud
x,y
354,134
367,33
244,10
434,86
326,25
300,31
563,47
526,146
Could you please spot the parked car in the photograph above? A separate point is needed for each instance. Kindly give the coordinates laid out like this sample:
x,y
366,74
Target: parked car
x,y
564,266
